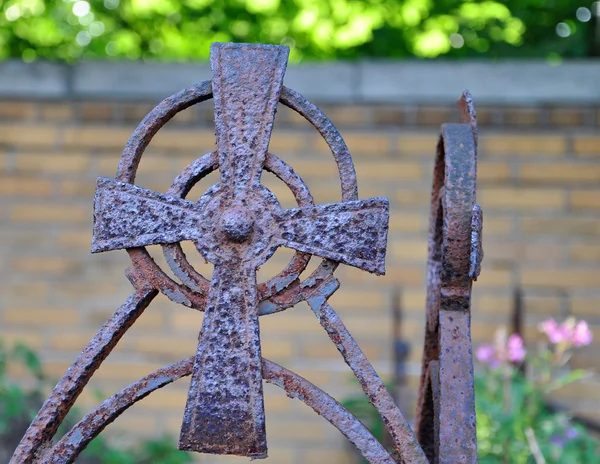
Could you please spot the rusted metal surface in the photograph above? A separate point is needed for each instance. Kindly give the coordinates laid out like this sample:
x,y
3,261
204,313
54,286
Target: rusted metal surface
x,y
38,438
237,225
445,423
75,441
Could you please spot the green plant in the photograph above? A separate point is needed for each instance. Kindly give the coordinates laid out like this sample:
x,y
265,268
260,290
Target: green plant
x,y
19,405
69,30
514,422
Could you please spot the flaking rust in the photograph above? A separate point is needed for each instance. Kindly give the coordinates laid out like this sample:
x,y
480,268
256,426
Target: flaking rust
x,y
445,419
237,225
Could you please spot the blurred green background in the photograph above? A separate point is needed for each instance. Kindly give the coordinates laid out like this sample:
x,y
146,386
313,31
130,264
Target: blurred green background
x,y
183,30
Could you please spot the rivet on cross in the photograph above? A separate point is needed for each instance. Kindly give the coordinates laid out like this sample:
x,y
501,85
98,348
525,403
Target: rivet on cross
x,y
237,225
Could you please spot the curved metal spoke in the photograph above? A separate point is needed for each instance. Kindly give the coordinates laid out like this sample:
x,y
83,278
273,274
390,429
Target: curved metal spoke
x,y
59,403
75,441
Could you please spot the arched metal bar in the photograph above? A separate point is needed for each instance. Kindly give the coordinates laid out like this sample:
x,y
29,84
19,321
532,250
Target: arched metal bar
x,y
405,442
38,436
75,441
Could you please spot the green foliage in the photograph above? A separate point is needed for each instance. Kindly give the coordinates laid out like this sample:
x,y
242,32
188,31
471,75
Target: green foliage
x,y
18,406
513,419
69,30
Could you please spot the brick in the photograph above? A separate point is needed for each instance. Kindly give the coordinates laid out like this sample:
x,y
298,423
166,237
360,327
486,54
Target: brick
x,y
24,186
585,307
299,430
521,116
435,115
398,275
409,251
546,305
287,141
42,317
521,198
586,145
44,264
560,278
79,188
588,253
28,290
276,350
50,213
150,163
493,172
81,239
393,116
98,137
21,135
368,143
17,110
492,305
346,115
135,112
56,111
404,222
425,144
497,225
411,300
506,144
318,169
324,351
30,338
387,170
158,346
495,278
52,162
562,226
585,200
413,197
359,300
566,116
199,140
96,112
553,173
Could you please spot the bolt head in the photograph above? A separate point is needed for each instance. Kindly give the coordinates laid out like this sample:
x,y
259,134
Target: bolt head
x,y
237,225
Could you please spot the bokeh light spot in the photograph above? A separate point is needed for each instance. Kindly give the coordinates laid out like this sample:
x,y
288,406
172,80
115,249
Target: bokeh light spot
x,y
563,30
583,14
457,41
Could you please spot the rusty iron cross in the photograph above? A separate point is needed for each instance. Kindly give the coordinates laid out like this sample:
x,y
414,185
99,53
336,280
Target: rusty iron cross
x,y
237,225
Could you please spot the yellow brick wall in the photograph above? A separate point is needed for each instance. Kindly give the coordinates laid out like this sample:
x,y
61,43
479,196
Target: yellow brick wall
x,y
539,187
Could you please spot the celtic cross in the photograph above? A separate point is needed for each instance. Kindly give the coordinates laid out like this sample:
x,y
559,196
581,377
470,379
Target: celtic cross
x,y
237,225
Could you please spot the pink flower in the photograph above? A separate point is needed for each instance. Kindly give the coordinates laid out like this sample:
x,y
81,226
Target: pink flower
x,y
582,334
556,333
486,354
516,350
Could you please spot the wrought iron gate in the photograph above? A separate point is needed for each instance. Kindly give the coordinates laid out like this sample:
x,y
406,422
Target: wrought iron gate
x,y
237,225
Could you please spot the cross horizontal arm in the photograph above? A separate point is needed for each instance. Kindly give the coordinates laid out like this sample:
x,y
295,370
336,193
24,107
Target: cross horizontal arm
x,y
352,232
127,216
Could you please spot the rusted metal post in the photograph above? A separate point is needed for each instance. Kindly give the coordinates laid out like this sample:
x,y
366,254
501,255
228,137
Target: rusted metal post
x,y
445,424
237,225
